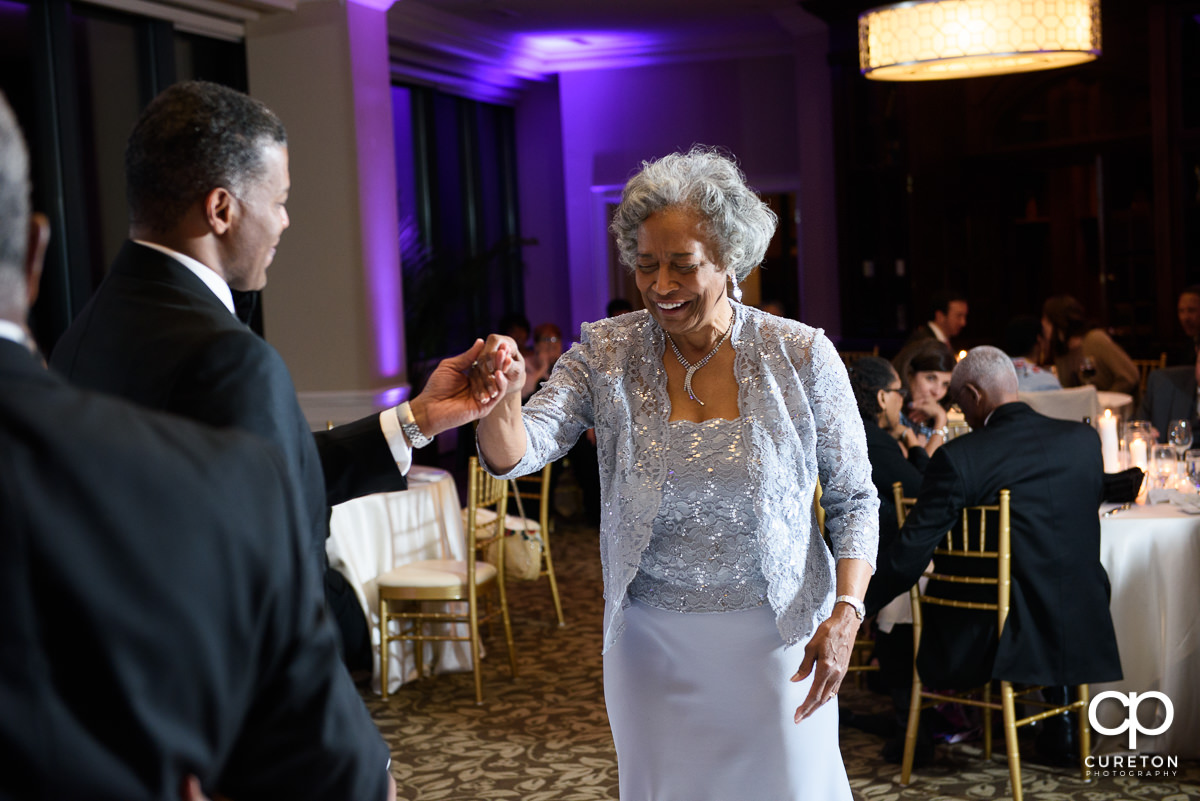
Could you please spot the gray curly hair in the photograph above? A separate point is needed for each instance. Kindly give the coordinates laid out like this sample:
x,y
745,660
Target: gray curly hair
x,y
709,183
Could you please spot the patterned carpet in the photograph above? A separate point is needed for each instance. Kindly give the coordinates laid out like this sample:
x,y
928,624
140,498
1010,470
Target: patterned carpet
x,y
545,736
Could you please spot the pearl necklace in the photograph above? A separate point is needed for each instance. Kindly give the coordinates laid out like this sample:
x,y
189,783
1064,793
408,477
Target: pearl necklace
x,y
692,368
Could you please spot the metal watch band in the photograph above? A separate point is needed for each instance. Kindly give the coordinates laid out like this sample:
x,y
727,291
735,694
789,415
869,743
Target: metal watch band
x,y
408,424
860,609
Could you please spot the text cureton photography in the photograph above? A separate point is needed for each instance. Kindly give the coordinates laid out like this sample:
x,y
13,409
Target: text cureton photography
x,y
1138,765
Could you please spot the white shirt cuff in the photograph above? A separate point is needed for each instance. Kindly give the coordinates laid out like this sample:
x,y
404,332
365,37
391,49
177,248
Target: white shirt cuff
x,y
397,442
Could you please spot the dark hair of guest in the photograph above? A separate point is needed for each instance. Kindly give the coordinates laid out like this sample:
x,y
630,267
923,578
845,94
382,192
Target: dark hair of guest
x,y
868,375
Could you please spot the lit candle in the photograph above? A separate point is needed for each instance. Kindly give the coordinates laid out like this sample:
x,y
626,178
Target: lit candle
x,y
1137,454
962,354
1108,442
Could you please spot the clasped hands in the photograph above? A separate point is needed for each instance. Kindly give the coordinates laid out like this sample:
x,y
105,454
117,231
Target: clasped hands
x,y
468,386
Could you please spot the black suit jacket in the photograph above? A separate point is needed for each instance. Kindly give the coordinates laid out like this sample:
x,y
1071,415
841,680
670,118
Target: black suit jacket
x,y
923,331
1059,630
1170,395
155,334
150,625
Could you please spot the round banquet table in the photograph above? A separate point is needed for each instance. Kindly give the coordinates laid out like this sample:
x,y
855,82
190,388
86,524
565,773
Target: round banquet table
x,y
1152,555
376,533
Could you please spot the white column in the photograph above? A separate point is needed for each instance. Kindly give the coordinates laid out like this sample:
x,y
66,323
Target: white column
x,y
334,304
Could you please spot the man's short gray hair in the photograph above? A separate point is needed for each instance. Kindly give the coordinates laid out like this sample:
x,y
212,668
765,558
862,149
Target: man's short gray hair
x,y
707,182
986,367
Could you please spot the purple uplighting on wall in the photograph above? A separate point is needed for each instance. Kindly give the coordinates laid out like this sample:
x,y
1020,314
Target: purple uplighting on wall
x,y
378,5
567,50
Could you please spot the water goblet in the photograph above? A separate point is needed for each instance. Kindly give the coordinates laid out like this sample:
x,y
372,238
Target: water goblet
x,y
1180,436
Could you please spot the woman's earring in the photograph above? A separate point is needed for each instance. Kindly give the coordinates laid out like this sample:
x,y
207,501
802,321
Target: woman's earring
x,y
737,290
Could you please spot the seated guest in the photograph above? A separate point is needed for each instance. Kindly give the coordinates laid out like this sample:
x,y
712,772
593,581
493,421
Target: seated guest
x,y
924,368
1171,394
1188,310
1059,631
949,318
1083,352
880,399
547,347
153,641
1025,344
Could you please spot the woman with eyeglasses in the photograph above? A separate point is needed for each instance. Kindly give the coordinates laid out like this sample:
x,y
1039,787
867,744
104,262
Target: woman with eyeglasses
x,y
881,401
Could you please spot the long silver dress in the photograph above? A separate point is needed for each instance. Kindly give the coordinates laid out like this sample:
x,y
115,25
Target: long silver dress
x,y
697,686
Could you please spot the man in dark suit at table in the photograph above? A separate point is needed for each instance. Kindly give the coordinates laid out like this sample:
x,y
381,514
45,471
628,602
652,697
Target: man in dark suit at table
x,y
152,644
1059,631
1171,394
949,318
207,182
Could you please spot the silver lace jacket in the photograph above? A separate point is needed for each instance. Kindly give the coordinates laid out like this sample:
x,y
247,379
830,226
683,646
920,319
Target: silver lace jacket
x,y
799,420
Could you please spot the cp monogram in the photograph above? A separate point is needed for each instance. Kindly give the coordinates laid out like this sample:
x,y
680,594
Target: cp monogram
x,y
1131,702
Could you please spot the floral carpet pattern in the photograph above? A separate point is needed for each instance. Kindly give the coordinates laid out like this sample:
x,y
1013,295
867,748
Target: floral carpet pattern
x,y
545,736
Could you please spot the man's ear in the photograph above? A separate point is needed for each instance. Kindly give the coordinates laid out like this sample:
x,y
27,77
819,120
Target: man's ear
x,y
219,209
35,253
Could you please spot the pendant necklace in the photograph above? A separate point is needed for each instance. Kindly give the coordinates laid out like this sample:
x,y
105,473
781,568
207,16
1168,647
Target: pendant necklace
x,y
692,368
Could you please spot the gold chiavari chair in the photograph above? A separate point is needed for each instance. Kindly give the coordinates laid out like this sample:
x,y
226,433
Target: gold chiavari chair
x,y
406,592
536,486
1145,367
972,545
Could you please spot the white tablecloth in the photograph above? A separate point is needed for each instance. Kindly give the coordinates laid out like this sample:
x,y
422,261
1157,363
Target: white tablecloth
x,y
1152,555
371,535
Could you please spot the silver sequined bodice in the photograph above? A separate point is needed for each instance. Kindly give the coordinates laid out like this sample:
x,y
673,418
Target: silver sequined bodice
x,y
704,553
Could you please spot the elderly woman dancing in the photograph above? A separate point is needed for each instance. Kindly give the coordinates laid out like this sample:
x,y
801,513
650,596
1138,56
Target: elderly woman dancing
x,y
728,621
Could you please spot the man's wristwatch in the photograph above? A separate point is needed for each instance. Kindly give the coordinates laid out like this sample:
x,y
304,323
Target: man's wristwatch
x,y
408,424
860,609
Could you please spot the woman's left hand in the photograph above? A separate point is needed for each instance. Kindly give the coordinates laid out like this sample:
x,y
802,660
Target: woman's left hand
x,y
827,657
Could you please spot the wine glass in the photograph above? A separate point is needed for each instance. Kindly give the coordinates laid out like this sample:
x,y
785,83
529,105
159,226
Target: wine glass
x,y
1180,436
1191,466
1087,369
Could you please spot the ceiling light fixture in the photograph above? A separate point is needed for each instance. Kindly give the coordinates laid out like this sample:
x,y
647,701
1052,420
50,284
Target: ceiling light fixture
x,y
929,40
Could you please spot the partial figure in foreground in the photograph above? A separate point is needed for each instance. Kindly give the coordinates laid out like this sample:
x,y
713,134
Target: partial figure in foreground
x,y
153,643
728,623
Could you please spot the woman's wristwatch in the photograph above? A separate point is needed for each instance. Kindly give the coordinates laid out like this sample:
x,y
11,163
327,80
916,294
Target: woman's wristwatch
x,y
860,609
943,431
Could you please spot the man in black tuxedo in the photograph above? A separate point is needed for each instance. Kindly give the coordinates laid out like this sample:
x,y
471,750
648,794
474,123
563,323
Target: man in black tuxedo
x,y
207,182
1171,394
1059,630
152,642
